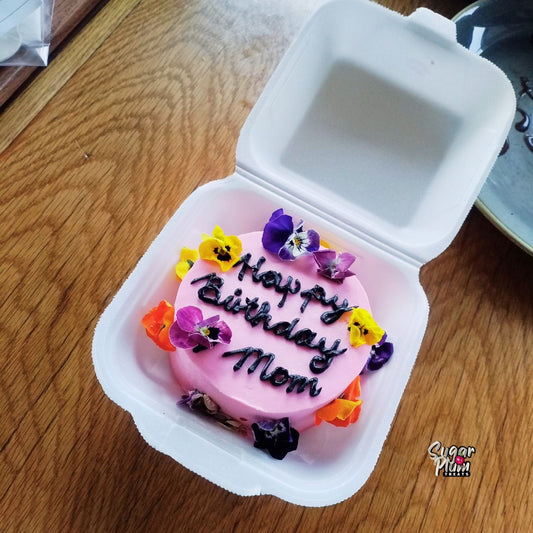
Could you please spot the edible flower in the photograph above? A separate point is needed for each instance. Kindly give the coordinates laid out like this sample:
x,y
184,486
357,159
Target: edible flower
x,y
342,411
157,324
198,401
333,266
363,328
379,355
190,330
202,403
276,437
224,249
186,261
281,238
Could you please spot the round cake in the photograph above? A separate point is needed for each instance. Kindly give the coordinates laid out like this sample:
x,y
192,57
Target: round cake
x,y
269,332
233,374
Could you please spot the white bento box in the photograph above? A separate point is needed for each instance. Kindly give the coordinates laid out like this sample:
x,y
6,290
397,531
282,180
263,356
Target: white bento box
x,y
376,129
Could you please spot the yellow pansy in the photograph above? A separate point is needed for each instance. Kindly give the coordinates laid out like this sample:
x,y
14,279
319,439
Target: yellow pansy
x,y
186,261
223,249
363,328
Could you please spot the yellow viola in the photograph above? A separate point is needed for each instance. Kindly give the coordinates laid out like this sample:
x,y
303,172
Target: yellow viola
x,y
223,249
363,328
186,261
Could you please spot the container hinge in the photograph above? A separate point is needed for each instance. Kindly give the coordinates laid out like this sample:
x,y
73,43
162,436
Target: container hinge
x,y
331,218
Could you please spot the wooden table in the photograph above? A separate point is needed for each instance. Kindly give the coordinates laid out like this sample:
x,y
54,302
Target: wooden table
x,y
143,105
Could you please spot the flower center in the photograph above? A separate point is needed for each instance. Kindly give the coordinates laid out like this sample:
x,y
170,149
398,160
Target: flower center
x,y
362,328
223,253
298,242
204,331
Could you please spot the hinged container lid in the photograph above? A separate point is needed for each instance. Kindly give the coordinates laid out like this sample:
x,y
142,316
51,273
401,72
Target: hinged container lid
x,y
381,121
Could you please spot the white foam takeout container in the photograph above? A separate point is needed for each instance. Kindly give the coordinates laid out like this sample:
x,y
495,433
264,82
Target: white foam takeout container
x,y
378,130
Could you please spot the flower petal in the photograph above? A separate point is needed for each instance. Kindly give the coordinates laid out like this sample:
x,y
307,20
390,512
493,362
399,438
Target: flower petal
x,y
179,337
286,254
223,249
157,323
208,322
363,328
276,437
380,354
353,391
324,258
218,233
342,411
299,243
276,231
188,317
224,333
314,240
345,261
339,412
200,340
356,337
186,260
235,244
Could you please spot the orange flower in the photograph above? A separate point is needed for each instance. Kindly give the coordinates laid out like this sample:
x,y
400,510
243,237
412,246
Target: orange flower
x,y
345,410
157,323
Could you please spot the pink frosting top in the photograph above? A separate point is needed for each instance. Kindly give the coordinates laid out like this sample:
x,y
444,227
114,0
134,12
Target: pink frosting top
x,y
242,394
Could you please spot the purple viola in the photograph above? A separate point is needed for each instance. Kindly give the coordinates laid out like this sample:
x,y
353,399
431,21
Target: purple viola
x,y
202,403
276,437
379,355
333,266
281,238
190,330
198,401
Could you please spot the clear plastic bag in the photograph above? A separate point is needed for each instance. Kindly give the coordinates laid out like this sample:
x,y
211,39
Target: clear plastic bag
x,y
25,31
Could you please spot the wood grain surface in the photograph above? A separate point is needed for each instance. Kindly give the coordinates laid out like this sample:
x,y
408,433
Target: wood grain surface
x,y
125,133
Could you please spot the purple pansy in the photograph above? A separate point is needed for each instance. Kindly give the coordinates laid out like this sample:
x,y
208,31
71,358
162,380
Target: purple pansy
x,y
202,403
198,401
379,355
275,436
333,266
281,238
190,330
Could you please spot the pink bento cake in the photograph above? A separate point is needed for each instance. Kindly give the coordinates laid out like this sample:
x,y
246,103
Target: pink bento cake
x,y
269,333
